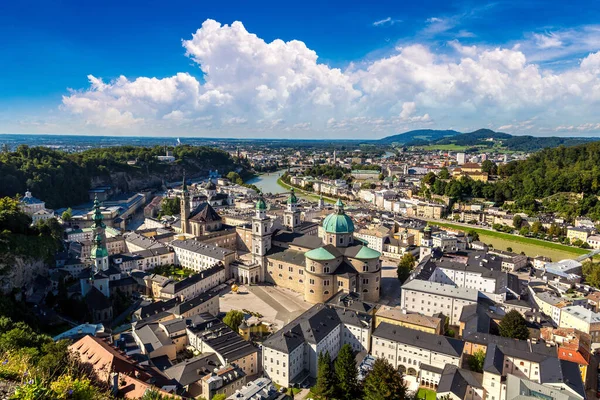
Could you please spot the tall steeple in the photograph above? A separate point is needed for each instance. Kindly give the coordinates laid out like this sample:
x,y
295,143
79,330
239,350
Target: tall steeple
x,y
184,207
291,216
99,253
261,235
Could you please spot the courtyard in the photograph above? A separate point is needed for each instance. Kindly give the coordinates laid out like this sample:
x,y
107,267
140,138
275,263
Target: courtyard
x,y
277,305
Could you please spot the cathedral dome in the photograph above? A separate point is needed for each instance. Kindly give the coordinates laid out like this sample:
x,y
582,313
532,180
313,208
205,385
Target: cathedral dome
x,y
338,222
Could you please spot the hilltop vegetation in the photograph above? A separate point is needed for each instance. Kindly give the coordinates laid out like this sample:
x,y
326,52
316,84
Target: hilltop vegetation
x,y
529,183
479,140
63,179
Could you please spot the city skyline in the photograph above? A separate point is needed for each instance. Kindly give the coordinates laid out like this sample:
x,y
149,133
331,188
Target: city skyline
x,y
339,71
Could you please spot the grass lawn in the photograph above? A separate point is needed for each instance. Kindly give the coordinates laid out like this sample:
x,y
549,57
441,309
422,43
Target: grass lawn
x,y
451,147
531,247
426,394
305,194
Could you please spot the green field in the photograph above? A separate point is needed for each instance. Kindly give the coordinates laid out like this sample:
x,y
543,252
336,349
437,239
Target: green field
x,y
450,147
531,247
426,394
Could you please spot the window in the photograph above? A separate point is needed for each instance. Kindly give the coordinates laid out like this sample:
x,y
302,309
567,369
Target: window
x,y
311,281
365,268
365,281
326,270
326,282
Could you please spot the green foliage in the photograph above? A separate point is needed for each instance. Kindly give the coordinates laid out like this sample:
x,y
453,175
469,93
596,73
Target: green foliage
x,y
384,382
327,171
67,215
405,267
219,396
473,234
233,319
346,374
591,273
171,206
489,167
513,325
154,394
234,177
326,385
429,179
64,178
444,173
517,221
476,361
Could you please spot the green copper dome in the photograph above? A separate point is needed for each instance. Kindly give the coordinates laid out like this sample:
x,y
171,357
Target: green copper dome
x,y
292,199
260,204
320,254
367,253
338,222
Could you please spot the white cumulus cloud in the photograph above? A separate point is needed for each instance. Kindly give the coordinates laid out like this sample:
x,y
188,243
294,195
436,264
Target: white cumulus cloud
x,y
251,86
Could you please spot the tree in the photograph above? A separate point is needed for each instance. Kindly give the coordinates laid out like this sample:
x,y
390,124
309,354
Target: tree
x,y
326,386
235,177
233,319
473,234
429,179
346,374
405,267
384,382
517,221
537,227
524,231
171,206
67,215
476,361
513,325
444,174
489,167
509,249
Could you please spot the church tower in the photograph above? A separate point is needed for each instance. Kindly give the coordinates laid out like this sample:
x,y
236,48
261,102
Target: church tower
x,y
184,205
291,216
99,254
261,237
321,203
99,257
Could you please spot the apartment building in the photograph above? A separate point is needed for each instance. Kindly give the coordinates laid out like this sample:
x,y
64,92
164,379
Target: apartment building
x,y
399,316
193,285
207,334
579,317
199,256
431,298
408,349
293,351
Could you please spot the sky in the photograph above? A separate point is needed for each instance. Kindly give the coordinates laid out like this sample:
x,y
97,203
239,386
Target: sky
x,y
310,69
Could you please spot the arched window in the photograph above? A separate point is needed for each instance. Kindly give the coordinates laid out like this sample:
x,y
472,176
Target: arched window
x,y
326,292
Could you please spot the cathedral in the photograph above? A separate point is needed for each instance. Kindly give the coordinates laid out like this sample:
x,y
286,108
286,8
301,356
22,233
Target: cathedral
x,y
318,267
203,219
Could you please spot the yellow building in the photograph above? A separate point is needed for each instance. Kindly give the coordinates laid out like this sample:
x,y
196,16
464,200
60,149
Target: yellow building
x,y
398,316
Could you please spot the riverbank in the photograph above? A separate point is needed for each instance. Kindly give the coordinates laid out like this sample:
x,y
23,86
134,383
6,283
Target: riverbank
x,y
304,193
531,247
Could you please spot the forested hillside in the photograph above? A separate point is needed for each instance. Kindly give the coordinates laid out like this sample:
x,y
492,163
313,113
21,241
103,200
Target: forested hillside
x,y
63,179
530,182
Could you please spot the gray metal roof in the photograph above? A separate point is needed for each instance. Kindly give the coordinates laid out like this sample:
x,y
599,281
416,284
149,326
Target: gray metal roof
x,y
432,342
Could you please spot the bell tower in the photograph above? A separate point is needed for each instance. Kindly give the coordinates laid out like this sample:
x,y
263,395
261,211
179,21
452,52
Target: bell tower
x,y
184,206
291,216
261,235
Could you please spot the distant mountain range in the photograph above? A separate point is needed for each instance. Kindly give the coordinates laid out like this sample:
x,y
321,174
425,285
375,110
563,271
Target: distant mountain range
x,y
481,138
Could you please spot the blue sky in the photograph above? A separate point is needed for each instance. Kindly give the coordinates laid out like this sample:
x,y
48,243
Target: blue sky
x,y
341,69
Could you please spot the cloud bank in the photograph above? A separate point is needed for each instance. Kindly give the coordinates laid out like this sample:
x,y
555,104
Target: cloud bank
x,y
254,88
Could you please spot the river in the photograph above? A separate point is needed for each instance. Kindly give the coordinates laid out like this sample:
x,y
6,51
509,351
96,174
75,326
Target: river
x,y
267,183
